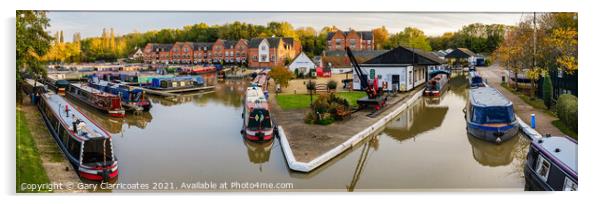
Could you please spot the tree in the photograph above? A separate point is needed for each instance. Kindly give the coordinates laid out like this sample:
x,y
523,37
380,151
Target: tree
x,y
32,42
381,35
410,37
281,75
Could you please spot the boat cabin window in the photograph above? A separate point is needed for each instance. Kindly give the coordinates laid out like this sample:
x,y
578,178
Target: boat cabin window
x,y
569,185
259,119
74,147
542,168
485,115
97,150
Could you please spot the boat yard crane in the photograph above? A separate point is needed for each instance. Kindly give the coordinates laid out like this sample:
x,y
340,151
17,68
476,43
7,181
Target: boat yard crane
x,y
375,99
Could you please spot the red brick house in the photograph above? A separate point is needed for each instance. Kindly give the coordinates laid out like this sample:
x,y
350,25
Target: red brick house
x,y
156,53
182,53
270,52
356,40
202,52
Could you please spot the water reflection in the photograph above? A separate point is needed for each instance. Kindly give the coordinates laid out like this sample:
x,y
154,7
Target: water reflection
x,y
490,154
259,152
418,118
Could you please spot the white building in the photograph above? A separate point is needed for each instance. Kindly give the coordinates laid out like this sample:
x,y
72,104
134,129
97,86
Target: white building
x,y
302,63
400,69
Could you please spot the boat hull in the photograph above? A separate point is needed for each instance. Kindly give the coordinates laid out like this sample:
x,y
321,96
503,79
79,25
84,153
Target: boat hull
x,y
493,134
259,135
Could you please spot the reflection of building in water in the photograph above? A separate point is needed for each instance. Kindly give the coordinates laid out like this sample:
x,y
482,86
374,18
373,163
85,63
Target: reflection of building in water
x,y
490,154
259,153
171,101
458,85
418,118
114,125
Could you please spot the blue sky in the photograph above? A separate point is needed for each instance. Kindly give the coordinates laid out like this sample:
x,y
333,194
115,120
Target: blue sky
x,y
90,23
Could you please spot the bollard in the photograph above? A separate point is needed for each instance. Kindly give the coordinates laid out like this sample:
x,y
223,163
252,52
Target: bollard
x,y
533,120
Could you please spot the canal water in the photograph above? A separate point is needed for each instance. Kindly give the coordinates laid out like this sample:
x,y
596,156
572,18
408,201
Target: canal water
x,y
196,138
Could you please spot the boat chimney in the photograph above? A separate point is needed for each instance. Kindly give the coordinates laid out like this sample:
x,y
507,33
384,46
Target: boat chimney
x,y
67,110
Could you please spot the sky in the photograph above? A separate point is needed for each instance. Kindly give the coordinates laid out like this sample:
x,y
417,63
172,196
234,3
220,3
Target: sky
x,y
91,23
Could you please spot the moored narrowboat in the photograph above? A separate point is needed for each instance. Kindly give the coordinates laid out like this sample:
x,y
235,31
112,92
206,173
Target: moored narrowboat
x,y
552,164
131,98
257,123
436,85
176,83
475,80
490,116
95,98
86,145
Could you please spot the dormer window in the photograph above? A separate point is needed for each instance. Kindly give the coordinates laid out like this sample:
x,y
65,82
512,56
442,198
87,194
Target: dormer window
x,y
263,47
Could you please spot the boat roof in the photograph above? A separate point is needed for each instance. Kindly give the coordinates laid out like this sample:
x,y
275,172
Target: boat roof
x,y
474,74
488,96
566,154
91,90
254,94
87,129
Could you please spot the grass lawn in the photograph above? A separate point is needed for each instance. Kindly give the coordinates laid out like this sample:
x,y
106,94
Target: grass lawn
x,y
298,101
29,164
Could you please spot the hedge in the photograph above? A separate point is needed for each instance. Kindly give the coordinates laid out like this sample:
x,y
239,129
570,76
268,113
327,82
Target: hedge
x,y
566,109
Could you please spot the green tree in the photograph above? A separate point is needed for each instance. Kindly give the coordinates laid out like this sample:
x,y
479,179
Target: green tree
x,y
32,42
410,37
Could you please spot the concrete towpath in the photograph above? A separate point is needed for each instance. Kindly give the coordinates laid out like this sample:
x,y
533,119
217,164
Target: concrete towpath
x,y
493,74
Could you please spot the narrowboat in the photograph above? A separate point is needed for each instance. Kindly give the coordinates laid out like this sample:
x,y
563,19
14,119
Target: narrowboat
x,y
490,116
257,123
86,145
176,83
436,85
198,69
95,98
475,80
551,164
131,98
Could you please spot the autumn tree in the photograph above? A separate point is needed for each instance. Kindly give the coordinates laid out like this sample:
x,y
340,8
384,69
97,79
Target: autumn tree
x,y
381,35
281,75
32,42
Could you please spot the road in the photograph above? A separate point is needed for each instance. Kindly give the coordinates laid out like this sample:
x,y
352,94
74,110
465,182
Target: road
x,y
493,75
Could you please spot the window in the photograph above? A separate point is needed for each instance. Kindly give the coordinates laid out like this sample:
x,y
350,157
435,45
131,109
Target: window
x,y
97,150
74,147
542,169
264,58
569,185
352,42
264,47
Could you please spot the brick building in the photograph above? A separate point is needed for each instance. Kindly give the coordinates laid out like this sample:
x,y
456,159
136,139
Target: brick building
x,y
355,40
278,50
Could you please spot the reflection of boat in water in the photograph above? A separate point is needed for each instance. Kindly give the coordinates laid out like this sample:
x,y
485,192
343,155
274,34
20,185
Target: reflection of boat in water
x,y
418,118
115,125
259,152
489,154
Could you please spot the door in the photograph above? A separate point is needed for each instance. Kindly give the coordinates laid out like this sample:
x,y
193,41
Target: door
x,y
395,82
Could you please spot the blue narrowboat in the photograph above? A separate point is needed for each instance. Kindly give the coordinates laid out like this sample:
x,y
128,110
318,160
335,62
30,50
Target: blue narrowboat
x,y
176,83
490,115
86,145
551,164
131,98
475,80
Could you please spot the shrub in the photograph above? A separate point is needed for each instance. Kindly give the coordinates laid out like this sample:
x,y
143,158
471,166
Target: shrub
x,y
567,110
547,91
332,85
326,109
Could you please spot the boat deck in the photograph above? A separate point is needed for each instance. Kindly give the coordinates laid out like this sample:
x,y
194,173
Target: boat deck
x,y
86,128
